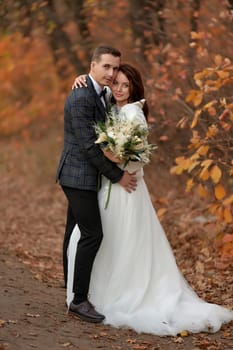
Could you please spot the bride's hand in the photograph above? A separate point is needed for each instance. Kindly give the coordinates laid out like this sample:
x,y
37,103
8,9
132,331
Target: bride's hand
x,y
110,156
80,81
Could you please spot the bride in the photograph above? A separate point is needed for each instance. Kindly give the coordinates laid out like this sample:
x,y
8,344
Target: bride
x,y
135,281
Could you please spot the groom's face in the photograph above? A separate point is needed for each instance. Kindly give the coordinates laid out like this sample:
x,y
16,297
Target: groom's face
x,y
105,70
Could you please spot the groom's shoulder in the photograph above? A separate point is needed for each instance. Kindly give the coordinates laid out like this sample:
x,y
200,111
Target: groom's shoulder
x,y
79,92
79,95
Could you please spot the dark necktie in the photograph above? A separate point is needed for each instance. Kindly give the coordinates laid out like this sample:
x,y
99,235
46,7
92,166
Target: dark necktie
x,y
103,93
102,97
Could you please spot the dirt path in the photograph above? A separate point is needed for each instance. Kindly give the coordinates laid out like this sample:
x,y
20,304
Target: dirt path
x,y
33,316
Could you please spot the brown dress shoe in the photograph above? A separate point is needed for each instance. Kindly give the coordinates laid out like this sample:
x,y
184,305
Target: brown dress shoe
x,y
86,312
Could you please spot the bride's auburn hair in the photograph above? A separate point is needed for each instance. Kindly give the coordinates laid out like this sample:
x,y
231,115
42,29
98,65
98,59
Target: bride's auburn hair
x,y
136,88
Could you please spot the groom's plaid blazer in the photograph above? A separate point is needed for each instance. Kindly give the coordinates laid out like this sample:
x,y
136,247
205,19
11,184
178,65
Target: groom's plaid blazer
x,y
81,159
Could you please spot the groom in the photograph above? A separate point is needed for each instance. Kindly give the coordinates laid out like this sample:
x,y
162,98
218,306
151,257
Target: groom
x,y
81,162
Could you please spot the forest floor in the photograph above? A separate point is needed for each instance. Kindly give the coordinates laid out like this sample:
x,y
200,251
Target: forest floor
x,y
32,301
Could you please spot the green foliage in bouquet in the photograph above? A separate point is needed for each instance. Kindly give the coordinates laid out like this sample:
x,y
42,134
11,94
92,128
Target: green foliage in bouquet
x,y
126,139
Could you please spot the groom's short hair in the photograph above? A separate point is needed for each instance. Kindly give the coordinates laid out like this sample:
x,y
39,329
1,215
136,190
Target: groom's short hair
x,y
101,50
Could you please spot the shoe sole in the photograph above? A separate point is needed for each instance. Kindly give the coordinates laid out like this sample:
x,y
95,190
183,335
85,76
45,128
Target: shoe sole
x,y
84,318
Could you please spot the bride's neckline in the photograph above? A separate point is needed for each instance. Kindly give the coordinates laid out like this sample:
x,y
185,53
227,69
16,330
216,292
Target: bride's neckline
x,y
117,108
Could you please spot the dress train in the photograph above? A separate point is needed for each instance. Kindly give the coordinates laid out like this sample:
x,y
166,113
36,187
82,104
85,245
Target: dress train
x,y
135,280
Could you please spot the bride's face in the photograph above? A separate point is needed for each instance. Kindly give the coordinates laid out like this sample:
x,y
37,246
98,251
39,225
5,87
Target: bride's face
x,y
121,89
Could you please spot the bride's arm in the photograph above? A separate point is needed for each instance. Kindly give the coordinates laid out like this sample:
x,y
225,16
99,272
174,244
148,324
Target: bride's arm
x,y
80,81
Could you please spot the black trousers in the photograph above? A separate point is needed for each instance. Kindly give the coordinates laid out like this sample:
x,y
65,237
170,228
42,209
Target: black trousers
x,y
83,209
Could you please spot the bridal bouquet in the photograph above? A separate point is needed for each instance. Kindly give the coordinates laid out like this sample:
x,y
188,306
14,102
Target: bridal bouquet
x,y
125,138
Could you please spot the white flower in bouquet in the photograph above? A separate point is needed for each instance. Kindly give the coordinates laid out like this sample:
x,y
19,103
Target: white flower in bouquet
x,y
125,134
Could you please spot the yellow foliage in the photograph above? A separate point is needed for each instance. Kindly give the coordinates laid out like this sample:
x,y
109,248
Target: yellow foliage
x,y
161,212
203,150
210,145
228,200
227,216
219,213
191,96
218,60
177,170
199,76
195,156
215,174
183,164
184,334
219,192
179,160
193,165
213,207
212,131
206,163
195,96
196,117
202,191
195,138
204,174
223,74
197,35
209,104
186,164
198,99
189,185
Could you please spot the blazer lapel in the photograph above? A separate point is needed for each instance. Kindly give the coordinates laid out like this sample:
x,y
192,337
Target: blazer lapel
x,y
97,98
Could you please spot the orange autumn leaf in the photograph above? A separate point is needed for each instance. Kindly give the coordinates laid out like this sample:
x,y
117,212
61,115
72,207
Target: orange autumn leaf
x,y
204,174
195,119
223,74
212,131
197,35
177,169
203,150
219,192
206,163
161,212
213,207
184,334
218,60
179,160
227,216
189,185
202,191
193,165
228,200
215,174
198,99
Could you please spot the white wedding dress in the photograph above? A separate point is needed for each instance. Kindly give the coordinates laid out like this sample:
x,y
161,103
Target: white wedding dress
x,y
135,281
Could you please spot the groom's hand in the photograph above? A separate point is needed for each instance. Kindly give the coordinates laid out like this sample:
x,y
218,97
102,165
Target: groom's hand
x,y
128,181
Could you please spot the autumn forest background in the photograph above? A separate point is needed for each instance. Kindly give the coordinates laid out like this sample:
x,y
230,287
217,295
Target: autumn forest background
x,y
184,52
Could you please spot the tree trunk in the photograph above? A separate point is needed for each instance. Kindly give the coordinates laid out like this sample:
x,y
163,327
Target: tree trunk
x,y
195,9
80,17
60,42
196,4
160,36
148,26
